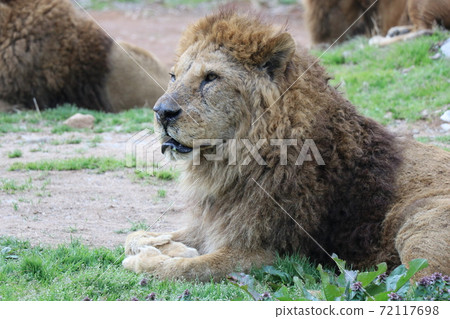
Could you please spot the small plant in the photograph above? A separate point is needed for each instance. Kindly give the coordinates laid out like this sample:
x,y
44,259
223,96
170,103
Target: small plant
x,y
95,141
73,230
15,154
55,142
10,186
162,193
353,285
435,287
73,141
140,225
166,175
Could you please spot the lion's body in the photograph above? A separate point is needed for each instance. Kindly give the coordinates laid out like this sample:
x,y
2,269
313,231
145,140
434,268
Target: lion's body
x,y
363,204
328,21
50,54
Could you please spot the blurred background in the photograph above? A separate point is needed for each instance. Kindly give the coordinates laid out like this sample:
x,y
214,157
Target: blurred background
x,y
156,25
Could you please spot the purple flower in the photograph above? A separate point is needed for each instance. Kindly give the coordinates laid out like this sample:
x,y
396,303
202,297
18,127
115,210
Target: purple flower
x,y
184,295
87,299
151,297
394,297
426,281
143,282
437,276
382,277
265,295
446,278
357,286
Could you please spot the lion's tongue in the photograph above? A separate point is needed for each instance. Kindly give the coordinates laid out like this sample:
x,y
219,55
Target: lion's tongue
x,y
175,146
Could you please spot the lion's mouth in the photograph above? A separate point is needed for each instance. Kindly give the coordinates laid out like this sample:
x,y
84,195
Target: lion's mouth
x,y
176,146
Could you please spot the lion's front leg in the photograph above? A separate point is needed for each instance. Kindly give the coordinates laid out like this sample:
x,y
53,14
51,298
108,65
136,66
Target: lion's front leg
x,y
215,265
166,243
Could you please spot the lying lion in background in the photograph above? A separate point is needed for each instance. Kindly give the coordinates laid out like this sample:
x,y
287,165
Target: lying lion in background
x,y
376,198
50,55
398,20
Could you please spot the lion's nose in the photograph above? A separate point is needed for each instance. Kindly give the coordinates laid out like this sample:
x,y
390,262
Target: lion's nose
x,y
167,112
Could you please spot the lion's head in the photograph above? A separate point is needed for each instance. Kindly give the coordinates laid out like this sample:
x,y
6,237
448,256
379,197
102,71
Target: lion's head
x,y
230,71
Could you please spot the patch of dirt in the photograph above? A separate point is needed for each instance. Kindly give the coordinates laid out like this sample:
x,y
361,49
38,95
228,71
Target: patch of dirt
x,y
59,206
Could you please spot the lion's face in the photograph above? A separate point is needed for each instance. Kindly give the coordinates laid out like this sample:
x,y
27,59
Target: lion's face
x,y
204,100
226,75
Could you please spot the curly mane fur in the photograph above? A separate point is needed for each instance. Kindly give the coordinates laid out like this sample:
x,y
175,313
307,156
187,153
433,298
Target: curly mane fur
x,y
365,204
342,204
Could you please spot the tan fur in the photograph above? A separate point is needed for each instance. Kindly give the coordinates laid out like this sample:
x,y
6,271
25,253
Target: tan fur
x,y
327,21
136,78
51,53
377,198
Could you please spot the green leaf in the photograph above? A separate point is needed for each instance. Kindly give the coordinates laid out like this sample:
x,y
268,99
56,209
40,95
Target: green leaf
x,y
394,277
284,277
325,278
367,277
304,276
374,289
244,282
333,293
283,294
383,296
339,262
308,295
415,266
404,289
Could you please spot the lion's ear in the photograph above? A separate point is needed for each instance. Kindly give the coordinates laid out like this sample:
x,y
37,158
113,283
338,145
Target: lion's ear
x,y
280,51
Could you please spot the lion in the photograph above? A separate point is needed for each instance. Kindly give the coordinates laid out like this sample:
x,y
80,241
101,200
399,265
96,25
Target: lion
x,y
242,104
399,20
50,54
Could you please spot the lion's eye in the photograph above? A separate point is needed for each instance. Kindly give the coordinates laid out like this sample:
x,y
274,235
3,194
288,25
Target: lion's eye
x,y
172,77
211,77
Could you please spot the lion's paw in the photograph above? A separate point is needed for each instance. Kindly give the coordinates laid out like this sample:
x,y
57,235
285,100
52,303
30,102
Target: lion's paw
x,y
147,260
177,249
376,40
142,239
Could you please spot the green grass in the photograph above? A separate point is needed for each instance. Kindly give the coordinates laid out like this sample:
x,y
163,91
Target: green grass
x,y
162,193
11,186
101,164
441,139
15,154
130,121
401,78
164,174
140,225
74,272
